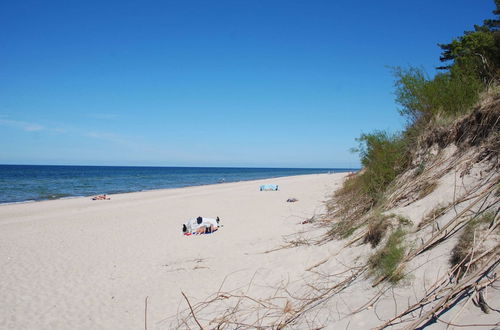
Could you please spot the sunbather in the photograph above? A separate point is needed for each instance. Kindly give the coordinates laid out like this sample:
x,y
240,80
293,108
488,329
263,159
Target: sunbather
x,y
101,197
200,225
206,229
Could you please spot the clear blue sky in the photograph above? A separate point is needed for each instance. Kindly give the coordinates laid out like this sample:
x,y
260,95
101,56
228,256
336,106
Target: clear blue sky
x,y
210,83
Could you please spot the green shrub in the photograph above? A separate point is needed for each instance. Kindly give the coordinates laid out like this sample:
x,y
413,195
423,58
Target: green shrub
x,y
349,205
383,157
403,221
448,94
385,261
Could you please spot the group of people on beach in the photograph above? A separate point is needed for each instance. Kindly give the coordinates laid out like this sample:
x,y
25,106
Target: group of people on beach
x,y
200,225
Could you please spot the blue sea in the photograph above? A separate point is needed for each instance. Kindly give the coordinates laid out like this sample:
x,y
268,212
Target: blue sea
x,y
20,183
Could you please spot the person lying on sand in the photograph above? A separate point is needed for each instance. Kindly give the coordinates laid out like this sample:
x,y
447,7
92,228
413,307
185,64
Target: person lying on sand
x,y
100,197
200,225
208,229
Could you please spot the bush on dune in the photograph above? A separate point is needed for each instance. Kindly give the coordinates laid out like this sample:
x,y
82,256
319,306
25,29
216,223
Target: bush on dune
x,y
447,94
383,157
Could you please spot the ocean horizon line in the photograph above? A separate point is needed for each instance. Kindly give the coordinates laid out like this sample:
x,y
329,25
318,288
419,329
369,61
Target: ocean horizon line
x,y
19,183
185,166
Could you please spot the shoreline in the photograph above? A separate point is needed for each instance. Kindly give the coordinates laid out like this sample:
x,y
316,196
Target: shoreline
x,y
161,189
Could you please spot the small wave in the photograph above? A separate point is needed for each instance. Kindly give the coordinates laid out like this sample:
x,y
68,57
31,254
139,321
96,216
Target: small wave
x,y
54,196
71,197
20,202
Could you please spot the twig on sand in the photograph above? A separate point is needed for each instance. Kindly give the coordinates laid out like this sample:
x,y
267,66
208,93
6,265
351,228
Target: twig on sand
x,y
470,325
146,313
192,312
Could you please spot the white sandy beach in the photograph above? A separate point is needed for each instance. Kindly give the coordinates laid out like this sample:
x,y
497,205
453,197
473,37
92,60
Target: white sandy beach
x,y
83,264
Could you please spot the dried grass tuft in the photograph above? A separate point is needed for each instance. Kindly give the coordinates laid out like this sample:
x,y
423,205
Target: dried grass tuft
x,y
288,309
377,228
427,189
462,252
435,213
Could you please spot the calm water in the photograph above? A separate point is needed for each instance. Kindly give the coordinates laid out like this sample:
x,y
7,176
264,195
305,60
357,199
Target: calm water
x,y
20,183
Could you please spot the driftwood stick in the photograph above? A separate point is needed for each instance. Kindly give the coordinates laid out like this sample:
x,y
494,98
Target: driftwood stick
x,y
470,325
146,313
192,312
460,311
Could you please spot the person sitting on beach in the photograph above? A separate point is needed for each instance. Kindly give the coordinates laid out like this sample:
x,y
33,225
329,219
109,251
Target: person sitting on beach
x,y
101,197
